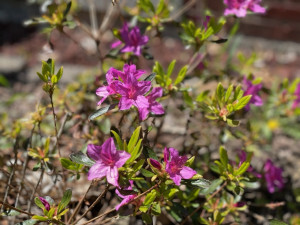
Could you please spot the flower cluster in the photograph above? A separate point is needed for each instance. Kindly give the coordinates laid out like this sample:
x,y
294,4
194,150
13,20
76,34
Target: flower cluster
x,y
252,89
108,160
273,176
174,166
133,40
132,91
239,7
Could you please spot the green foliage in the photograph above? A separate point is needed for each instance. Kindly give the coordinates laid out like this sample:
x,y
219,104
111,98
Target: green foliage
x,y
223,104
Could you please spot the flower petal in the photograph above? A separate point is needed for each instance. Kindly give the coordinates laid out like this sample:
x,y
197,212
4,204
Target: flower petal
x,y
122,158
94,152
112,176
176,178
187,172
98,170
125,103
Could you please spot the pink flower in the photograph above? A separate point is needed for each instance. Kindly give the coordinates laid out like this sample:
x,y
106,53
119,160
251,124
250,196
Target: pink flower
x,y
126,198
153,106
45,203
296,102
252,89
273,176
133,40
114,75
240,7
108,160
132,93
175,166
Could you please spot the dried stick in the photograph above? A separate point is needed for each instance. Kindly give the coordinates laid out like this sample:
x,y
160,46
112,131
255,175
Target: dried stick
x,y
77,208
92,206
185,8
112,210
16,209
25,166
12,172
36,186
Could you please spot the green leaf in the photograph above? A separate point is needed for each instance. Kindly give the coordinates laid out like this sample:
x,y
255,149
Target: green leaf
x,y
233,123
228,93
171,192
101,111
150,197
190,161
81,158
171,68
51,212
243,168
138,165
149,153
242,102
59,73
63,212
118,139
54,79
156,210
133,140
147,219
67,10
181,75
150,77
202,96
65,200
46,70
42,77
223,156
136,152
40,218
201,183
70,165
220,92
51,65
214,185
146,173
39,203
10,212
277,222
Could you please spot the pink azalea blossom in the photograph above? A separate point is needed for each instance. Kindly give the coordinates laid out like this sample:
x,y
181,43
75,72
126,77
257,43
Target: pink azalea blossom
x,y
132,39
45,203
252,89
153,106
132,93
108,160
296,102
114,75
126,198
240,7
175,166
273,176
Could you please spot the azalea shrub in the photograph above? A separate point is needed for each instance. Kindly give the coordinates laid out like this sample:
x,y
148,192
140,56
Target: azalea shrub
x,y
104,132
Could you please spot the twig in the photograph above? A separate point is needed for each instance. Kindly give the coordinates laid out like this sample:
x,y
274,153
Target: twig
x,y
185,8
12,172
202,213
16,209
112,210
55,126
77,208
36,186
94,203
25,166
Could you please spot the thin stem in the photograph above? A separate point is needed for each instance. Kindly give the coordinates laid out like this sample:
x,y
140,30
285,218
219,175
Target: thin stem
x,y
55,126
12,172
92,206
25,166
178,13
202,213
16,209
36,186
112,210
77,208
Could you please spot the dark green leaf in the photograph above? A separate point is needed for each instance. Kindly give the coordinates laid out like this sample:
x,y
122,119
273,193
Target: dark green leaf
x,y
233,123
65,200
277,222
81,158
150,77
27,222
201,183
150,197
146,173
214,185
223,156
147,219
101,111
